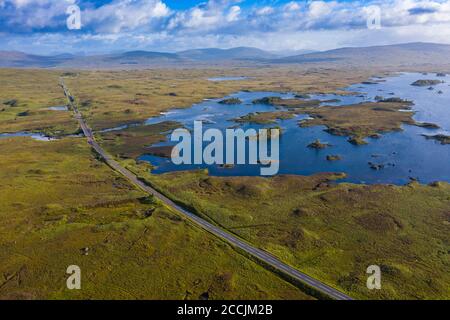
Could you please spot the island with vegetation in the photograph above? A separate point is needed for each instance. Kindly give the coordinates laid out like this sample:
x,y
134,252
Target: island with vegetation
x,y
333,158
231,101
442,138
426,83
318,145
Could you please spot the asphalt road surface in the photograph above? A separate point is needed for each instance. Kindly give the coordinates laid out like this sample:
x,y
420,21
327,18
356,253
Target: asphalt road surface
x,y
233,240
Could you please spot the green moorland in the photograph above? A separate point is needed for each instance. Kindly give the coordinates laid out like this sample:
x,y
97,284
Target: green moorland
x,y
135,141
57,199
25,97
112,98
332,231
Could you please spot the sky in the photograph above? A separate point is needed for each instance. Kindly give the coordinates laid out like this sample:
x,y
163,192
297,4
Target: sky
x,y
101,26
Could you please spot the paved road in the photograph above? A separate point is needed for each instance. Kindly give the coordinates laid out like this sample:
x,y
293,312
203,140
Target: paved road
x,y
235,241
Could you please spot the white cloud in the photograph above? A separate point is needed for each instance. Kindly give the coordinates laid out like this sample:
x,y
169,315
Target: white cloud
x,y
318,9
292,6
32,14
264,11
121,15
295,25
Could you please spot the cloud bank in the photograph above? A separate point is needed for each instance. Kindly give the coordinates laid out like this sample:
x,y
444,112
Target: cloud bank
x,y
40,25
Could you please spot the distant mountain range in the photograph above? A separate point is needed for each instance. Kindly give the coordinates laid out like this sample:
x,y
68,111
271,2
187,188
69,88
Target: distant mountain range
x,y
390,55
400,54
20,59
135,58
241,53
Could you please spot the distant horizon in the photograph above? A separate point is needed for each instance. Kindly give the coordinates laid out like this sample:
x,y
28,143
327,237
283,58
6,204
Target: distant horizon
x,y
280,53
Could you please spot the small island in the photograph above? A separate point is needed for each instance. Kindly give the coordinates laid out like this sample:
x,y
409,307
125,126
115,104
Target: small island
x,y
231,101
333,158
302,96
318,145
426,83
426,125
264,117
267,100
357,141
290,104
394,100
369,82
442,138
391,100
375,166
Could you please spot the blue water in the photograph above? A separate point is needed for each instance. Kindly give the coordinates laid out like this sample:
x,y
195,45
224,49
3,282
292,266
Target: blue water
x,y
405,155
58,108
219,79
35,136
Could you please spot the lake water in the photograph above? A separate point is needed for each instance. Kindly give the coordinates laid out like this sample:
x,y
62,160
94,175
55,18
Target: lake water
x,y
219,79
35,136
405,154
58,108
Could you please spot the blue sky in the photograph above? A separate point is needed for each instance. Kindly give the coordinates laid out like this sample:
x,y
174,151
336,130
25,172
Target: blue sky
x,y
40,26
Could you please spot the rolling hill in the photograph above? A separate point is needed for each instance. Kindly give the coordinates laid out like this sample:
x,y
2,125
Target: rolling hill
x,y
391,55
138,58
241,53
399,55
16,59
